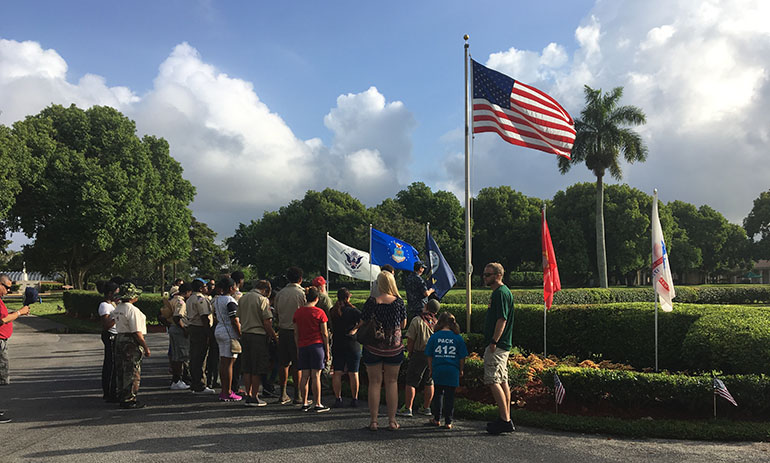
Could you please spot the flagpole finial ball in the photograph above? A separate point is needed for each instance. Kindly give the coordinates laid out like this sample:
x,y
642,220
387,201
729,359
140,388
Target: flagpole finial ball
x,y
466,36
655,191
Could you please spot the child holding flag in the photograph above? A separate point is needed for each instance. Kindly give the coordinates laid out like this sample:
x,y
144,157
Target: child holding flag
x,y
446,352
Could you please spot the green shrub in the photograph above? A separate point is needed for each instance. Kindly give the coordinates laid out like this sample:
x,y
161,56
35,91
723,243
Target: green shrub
x,y
735,341
729,294
46,287
624,332
691,395
474,342
85,304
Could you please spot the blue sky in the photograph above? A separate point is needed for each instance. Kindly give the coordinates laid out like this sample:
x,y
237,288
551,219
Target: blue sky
x,y
264,100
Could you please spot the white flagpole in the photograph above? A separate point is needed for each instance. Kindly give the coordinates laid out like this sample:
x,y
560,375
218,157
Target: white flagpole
x,y
545,306
370,257
654,292
468,266
327,263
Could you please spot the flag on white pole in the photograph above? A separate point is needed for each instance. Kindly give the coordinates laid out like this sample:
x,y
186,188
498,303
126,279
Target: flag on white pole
x,y
662,281
349,261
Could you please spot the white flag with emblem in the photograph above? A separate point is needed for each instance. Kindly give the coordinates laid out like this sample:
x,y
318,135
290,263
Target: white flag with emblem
x,y
349,261
661,270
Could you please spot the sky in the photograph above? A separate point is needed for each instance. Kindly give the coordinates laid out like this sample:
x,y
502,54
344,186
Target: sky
x,y
262,101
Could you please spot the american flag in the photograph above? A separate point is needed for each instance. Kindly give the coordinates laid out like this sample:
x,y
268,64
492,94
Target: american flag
x,y
558,390
721,390
520,114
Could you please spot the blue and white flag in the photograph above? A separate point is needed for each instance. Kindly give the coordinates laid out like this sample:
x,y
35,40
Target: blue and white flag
x,y
441,276
389,250
349,261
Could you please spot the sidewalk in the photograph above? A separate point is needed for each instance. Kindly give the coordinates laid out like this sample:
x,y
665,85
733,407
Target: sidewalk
x,y
58,415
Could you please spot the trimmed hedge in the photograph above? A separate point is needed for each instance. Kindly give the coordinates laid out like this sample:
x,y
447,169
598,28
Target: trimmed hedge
x,y
732,339
733,294
692,395
85,304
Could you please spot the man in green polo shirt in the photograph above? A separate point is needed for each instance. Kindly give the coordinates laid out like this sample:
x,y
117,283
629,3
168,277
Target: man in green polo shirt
x,y
498,335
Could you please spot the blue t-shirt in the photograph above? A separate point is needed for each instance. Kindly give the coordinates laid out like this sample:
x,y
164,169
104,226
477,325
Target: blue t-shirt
x,y
447,349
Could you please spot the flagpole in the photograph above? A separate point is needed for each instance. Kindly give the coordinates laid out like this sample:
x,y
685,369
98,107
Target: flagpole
x,y
468,266
545,305
655,293
427,251
327,262
370,258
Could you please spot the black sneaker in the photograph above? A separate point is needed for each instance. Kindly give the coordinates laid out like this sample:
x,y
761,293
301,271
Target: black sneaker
x,y
321,408
337,403
500,426
131,405
354,403
306,407
4,418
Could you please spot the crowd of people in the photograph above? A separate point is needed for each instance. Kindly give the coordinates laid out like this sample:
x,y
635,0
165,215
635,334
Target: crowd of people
x,y
241,343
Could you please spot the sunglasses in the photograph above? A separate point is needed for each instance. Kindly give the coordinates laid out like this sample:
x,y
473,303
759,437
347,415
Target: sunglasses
x,y
8,287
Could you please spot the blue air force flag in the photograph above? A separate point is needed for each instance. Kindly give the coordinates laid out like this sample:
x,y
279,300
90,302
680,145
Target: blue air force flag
x,y
441,276
349,261
389,250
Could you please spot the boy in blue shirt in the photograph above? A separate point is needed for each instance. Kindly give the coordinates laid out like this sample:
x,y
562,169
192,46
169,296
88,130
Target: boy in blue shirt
x,y
446,352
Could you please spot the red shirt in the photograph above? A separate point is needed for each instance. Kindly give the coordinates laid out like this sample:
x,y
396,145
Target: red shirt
x,y
6,329
308,325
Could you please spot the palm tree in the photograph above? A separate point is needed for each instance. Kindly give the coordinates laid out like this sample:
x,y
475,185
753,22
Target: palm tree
x,y
601,138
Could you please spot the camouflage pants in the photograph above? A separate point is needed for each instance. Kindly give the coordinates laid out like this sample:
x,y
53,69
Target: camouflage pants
x,y
128,365
4,378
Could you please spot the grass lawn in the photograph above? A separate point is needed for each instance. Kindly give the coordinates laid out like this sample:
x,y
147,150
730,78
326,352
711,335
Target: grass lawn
x,y
52,308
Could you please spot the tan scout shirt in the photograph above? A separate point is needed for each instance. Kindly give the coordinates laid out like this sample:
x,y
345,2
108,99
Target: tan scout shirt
x,y
418,333
198,306
287,301
253,310
180,308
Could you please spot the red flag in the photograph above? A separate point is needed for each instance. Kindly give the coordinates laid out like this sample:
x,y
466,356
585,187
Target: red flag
x,y
551,282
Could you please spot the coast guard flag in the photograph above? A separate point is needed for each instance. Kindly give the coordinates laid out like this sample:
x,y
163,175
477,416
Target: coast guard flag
x,y
661,270
441,276
389,250
520,114
551,281
349,261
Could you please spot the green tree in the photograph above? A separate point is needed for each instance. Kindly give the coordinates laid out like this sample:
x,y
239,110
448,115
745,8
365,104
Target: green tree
x,y
757,226
206,256
707,229
296,233
506,229
601,138
97,196
445,214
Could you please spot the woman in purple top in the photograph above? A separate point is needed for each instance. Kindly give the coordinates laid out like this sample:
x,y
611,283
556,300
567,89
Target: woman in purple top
x,y
383,358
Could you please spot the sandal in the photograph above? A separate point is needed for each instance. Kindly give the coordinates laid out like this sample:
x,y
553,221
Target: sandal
x,y
393,426
434,422
372,426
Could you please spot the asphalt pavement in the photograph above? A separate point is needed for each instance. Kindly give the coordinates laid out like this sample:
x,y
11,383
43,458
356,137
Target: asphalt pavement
x,y
55,402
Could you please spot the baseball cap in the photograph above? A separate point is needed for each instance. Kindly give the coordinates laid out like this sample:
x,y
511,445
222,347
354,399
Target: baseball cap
x,y
318,281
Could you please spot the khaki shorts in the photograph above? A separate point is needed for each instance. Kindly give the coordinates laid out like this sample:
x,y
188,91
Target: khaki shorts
x,y
496,366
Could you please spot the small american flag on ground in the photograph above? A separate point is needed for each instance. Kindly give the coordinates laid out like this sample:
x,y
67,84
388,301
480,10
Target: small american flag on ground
x,y
721,390
521,114
558,390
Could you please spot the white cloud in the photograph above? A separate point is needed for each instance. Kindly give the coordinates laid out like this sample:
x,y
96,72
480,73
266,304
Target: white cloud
x,y
699,71
242,157
529,66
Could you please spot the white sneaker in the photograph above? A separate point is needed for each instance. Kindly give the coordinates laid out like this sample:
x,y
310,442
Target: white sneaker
x,y
179,386
205,390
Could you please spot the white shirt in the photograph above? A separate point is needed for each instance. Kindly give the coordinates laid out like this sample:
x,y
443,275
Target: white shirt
x,y
106,308
129,319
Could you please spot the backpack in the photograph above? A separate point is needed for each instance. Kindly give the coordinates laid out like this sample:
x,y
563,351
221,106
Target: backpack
x,y
166,313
